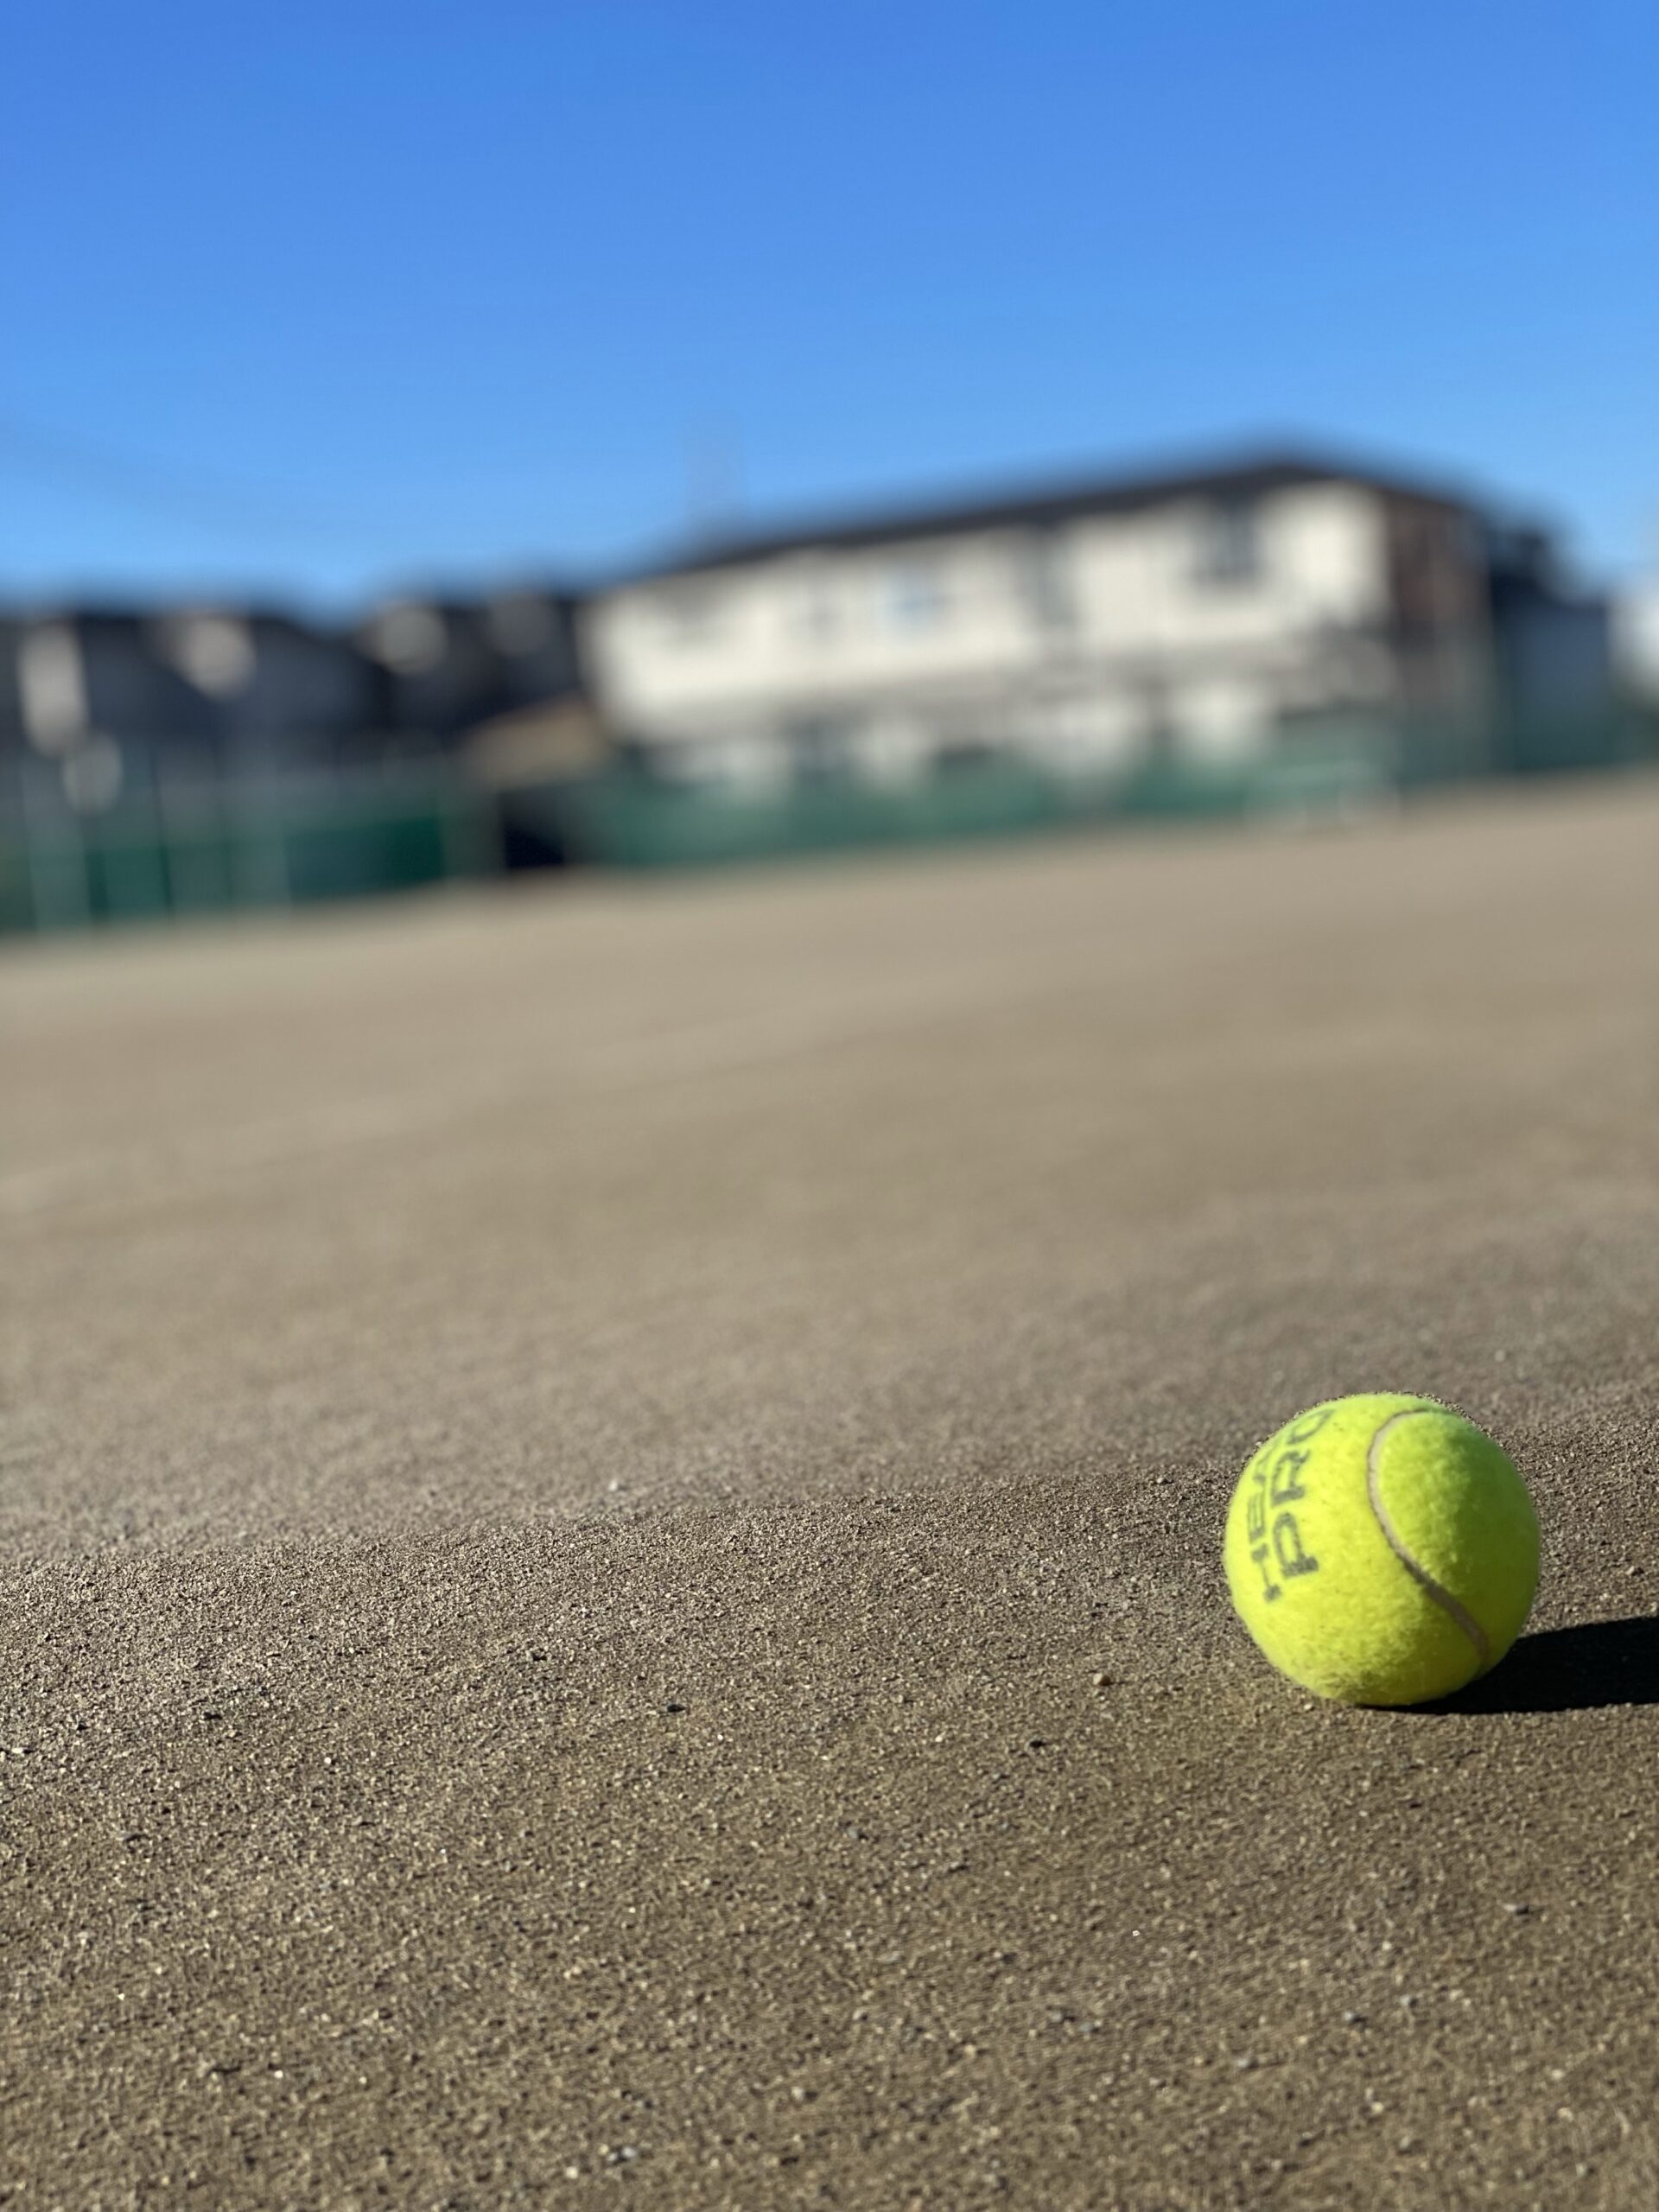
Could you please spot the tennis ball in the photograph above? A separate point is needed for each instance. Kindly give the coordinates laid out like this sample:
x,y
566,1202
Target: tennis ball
x,y
1382,1550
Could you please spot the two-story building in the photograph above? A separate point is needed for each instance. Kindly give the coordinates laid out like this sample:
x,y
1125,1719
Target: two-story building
x,y
221,693
194,692
1209,615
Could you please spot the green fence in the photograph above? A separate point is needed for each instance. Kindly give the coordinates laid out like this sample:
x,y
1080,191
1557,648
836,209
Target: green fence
x,y
206,854
624,818
168,855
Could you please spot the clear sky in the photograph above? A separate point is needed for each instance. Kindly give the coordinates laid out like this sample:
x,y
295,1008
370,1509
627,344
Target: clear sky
x,y
329,297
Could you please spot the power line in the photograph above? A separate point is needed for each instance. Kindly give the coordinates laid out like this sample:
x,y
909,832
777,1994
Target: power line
x,y
199,498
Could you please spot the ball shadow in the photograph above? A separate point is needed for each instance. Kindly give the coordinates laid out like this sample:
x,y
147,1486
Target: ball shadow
x,y
1571,1670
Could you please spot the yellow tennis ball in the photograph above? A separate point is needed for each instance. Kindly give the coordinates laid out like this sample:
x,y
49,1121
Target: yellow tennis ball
x,y
1382,1550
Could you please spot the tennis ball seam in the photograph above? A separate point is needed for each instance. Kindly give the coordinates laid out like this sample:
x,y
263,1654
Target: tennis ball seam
x,y
1453,1607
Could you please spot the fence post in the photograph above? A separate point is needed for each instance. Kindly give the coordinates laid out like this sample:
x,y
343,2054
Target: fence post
x,y
49,909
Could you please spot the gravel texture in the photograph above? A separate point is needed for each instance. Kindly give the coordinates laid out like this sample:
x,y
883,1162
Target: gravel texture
x,y
609,1507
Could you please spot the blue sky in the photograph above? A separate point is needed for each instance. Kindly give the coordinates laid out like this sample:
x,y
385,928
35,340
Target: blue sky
x,y
321,299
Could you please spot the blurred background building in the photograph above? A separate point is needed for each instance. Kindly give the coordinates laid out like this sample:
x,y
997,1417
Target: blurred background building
x,y
365,521
172,758
1280,631
366,526
1209,619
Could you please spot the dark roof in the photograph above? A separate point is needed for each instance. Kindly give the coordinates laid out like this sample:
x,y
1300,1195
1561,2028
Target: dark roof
x,y
146,615
1246,476
461,603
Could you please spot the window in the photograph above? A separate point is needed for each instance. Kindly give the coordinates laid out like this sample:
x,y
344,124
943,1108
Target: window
x,y
1042,573
916,597
1227,551
51,686
691,613
817,616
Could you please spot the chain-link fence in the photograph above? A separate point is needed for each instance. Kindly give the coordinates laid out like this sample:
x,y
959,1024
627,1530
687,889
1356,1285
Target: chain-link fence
x,y
168,849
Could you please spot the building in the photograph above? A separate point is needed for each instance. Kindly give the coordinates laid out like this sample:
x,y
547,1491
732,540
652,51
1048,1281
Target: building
x,y
196,694
1635,641
1556,672
1205,618
284,694
108,699
444,664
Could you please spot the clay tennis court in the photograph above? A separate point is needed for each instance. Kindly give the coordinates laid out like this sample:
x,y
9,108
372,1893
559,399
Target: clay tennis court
x,y
609,1531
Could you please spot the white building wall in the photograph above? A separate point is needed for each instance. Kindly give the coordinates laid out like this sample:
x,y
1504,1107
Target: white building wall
x,y
1077,640
1636,639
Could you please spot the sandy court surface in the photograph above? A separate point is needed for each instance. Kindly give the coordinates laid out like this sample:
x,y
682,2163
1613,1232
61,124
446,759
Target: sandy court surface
x,y
609,1499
